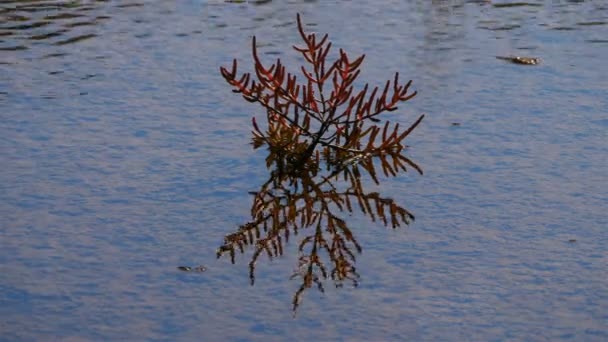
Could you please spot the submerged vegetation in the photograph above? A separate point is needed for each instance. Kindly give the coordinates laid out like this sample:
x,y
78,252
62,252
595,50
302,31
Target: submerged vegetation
x,y
322,136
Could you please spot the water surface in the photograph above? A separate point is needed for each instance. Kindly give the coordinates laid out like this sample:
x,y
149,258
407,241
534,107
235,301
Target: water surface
x,y
125,155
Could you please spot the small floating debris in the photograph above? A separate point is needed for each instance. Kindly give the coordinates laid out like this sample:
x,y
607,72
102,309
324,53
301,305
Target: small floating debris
x,y
199,268
515,4
520,60
455,123
601,41
572,240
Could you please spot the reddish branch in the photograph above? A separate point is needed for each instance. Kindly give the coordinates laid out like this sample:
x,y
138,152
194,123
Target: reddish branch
x,y
338,119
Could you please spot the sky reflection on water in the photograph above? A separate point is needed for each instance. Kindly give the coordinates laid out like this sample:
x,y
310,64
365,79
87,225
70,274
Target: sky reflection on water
x,y
124,155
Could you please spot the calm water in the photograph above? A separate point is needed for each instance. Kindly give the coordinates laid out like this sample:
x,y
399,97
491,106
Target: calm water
x,y
125,155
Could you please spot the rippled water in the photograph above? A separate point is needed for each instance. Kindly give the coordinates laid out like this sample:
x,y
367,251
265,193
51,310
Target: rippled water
x,y
125,155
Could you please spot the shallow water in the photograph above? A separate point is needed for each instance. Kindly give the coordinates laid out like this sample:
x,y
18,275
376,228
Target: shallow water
x,y
125,155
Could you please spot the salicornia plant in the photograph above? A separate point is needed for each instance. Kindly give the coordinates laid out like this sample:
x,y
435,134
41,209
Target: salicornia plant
x,y
320,134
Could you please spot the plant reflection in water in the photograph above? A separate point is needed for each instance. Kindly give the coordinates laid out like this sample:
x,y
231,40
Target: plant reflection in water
x,y
321,136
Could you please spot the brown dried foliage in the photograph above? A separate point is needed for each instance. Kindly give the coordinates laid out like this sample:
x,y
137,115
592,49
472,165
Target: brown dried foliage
x,y
321,134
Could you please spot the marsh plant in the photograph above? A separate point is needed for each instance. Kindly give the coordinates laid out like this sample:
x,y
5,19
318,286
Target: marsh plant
x,y
322,136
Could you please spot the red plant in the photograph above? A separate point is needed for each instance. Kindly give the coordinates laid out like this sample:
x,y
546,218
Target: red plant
x,y
302,117
321,120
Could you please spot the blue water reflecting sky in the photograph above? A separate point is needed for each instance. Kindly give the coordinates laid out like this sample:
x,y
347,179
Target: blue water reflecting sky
x,y
124,155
